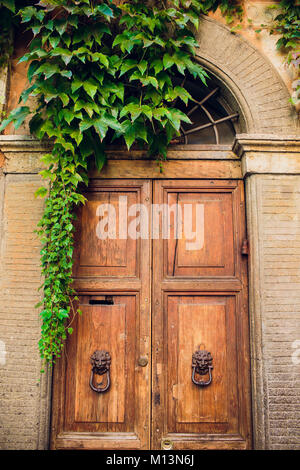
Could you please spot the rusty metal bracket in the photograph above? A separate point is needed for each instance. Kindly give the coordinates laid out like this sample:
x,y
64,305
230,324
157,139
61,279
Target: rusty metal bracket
x,y
245,247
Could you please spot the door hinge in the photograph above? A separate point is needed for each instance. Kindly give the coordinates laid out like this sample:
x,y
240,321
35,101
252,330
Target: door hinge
x,y
245,247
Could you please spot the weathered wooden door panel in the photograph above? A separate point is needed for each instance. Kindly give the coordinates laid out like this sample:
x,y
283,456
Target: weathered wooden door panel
x,y
200,303
112,276
119,417
210,252
116,255
111,328
201,322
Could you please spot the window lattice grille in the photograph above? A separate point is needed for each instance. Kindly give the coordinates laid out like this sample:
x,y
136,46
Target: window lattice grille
x,y
211,122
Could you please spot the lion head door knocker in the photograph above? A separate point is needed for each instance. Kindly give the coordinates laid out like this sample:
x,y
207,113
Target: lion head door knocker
x,y
202,365
100,361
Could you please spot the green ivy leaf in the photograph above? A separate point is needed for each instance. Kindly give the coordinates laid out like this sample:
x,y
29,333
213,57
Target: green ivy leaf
x,y
66,73
101,128
76,84
129,136
112,122
102,58
127,65
41,192
77,136
86,124
10,4
47,69
168,61
100,157
27,13
182,94
64,98
61,26
157,65
67,115
90,87
54,41
17,117
105,10
65,54
142,66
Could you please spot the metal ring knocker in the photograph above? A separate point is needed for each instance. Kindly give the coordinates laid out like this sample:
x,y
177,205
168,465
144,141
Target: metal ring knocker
x,y
100,361
202,365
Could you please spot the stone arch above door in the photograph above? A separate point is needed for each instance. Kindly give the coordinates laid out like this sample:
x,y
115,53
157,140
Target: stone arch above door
x,y
245,73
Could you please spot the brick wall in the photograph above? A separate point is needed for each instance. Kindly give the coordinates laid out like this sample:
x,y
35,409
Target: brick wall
x,y
274,228
22,394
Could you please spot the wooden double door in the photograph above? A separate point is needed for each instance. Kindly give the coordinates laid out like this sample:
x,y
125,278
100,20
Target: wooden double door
x,y
166,312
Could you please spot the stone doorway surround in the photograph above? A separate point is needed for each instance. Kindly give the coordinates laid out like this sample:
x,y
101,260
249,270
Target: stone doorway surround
x,y
266,153
271,170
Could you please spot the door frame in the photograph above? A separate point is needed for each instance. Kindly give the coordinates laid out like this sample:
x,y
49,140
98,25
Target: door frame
x,y
121,167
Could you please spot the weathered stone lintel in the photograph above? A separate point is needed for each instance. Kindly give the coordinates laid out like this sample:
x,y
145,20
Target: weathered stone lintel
x,y
259,154
266,143
23,143
20,144
262,163
22,154
268,154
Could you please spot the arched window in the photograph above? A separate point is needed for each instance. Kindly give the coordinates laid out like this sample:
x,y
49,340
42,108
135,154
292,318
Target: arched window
x,y
212,120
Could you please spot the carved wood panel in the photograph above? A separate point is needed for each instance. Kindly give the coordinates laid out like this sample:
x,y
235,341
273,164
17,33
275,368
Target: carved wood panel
x,y
205,246
103,247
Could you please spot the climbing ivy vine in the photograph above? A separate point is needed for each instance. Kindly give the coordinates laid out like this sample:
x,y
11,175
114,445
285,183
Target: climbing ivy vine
x,y
99,71
286,25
